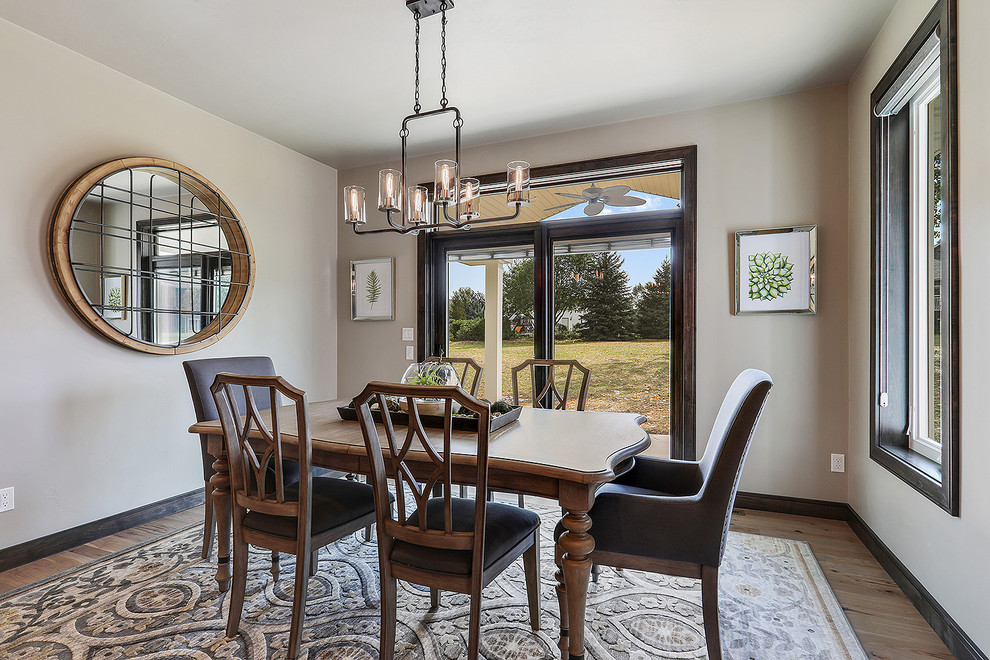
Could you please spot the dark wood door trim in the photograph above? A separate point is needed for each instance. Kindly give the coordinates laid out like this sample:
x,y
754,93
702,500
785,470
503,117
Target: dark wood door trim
x,y
681,224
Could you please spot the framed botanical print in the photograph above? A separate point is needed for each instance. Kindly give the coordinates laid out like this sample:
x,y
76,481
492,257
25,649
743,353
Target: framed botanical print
x,y
775,270
372,289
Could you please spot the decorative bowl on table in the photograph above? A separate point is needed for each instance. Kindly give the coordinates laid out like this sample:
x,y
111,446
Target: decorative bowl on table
x,y
429,373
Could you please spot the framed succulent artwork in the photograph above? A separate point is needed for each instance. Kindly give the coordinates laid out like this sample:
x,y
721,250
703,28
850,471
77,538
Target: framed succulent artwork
x,y
775,270
114,297
372,295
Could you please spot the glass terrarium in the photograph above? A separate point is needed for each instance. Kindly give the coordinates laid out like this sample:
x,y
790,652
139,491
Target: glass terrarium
x,y
429,373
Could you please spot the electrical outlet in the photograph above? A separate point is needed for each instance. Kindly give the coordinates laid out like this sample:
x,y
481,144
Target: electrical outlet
x,y
7,499
838,462
407,334
410,352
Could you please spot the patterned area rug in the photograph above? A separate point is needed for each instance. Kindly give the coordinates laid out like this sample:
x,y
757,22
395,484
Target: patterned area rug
x,y
159,600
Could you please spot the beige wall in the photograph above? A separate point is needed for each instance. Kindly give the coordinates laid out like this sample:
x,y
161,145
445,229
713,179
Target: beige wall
x,y
90,429
766,163
948,555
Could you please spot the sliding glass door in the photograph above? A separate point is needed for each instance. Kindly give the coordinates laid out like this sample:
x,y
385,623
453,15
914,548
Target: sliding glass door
x,y
598,292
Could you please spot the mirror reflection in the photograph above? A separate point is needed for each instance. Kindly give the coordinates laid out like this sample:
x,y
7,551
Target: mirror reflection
x,y
159,256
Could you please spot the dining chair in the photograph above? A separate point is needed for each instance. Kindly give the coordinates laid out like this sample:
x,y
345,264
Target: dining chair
x,y
672,517
469,370
557,378
297,518
445,542
552,372
200,375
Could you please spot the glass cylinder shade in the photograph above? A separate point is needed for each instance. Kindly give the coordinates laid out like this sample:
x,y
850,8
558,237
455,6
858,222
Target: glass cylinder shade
x,y
354,212
517,185
445,182
389,190
417,205
470,199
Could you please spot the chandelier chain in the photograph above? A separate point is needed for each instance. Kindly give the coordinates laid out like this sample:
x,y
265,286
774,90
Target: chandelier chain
x,y
443,54
416,106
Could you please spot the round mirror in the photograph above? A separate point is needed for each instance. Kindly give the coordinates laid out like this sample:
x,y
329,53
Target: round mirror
x,y
151,255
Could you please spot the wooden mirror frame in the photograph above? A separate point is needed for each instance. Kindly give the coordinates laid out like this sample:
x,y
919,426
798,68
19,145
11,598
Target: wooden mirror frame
x,y
238,242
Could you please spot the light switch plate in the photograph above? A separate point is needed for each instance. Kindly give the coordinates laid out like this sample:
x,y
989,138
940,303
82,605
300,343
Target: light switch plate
x,y
407,334
410,352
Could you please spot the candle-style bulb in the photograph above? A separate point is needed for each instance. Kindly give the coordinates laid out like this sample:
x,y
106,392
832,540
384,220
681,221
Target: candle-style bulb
x,y
517,185
445,182
470,201
389,190
354,212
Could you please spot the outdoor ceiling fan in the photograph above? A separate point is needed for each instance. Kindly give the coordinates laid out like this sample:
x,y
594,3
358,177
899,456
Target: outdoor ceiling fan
x,y
598,198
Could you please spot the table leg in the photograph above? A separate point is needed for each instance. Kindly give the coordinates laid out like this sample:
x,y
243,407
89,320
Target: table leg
x,y
558,556
221,507
576,544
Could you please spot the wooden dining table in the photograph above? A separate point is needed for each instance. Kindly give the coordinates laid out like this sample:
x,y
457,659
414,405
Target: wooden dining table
x,y
562,455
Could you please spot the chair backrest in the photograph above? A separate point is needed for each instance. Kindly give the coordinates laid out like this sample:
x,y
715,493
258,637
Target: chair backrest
x,y
554,373
200,375
254,445
469,370
416,464
728,445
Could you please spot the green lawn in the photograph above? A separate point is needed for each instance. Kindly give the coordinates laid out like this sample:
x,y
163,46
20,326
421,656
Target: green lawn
x,y
626,376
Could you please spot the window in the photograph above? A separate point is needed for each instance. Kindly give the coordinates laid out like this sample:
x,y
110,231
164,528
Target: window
x,y
915,301
600,270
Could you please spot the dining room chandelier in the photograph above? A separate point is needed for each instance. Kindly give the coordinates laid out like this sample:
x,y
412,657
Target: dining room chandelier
x,y
415,211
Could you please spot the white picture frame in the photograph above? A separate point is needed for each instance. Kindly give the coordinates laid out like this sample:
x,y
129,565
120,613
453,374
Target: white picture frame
x,y
776,270
373,289
114,305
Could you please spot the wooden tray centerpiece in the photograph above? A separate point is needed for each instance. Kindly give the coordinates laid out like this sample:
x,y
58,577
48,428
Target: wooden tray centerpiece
x,y
459,422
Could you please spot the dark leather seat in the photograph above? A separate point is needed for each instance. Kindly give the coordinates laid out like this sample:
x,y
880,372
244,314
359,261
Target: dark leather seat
x,y
506,526
335,501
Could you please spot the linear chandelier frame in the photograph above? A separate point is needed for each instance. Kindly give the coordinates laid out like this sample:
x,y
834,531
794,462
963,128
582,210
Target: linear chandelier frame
x,y
448,188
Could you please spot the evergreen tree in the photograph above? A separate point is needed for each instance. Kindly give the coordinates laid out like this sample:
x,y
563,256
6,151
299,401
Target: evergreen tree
x,y
608,313
653,305
466,304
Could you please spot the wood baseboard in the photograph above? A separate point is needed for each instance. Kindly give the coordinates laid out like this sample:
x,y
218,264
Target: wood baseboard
x,y
796,506
22,553
954,637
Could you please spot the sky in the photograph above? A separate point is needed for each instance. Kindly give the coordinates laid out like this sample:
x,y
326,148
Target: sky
x,y
640,265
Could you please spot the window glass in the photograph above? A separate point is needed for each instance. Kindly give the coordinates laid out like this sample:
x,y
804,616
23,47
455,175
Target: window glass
x,y
588,199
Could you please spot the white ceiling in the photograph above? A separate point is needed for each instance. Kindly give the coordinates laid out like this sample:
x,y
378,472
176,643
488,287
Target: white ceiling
x,y
333,78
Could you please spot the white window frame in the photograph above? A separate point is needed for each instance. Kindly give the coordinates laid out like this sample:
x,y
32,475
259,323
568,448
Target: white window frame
x,y
921,363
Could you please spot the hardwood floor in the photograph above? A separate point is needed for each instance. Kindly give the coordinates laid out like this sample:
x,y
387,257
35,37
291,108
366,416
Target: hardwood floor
x,y
885,621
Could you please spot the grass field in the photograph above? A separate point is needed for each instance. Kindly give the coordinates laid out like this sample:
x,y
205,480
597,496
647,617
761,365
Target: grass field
x,y
626,376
